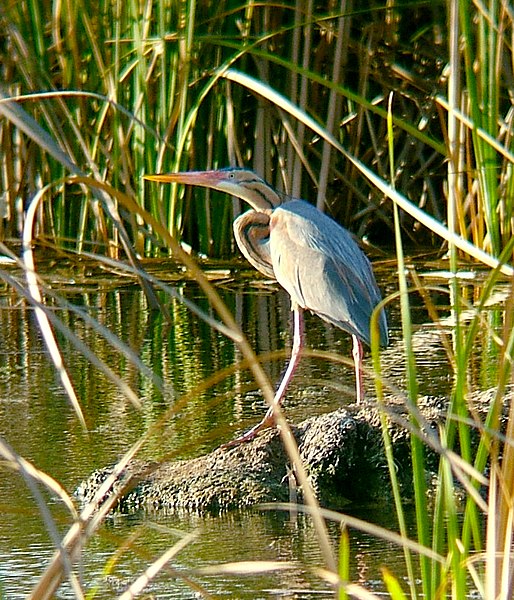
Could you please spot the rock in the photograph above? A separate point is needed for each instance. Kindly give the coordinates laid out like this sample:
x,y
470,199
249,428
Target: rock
x,y
342,455
342,452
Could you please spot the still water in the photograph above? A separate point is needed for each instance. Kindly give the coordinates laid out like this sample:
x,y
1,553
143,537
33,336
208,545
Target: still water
x,y
38,423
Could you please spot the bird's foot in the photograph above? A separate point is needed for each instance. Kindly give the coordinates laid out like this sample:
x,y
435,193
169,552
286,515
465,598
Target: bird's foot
x,y
251,434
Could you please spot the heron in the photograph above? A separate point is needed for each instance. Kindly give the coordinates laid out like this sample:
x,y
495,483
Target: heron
x,y
309,254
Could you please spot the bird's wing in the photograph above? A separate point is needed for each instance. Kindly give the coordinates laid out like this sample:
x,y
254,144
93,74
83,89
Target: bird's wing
x,y
323,269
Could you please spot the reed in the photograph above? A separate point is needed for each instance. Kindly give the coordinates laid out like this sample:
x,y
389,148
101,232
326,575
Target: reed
x,y
124,91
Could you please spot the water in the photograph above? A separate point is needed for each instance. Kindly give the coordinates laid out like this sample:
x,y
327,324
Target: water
x,y
37,421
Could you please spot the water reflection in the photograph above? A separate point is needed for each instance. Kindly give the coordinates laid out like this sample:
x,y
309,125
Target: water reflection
x,y
251,535
36,419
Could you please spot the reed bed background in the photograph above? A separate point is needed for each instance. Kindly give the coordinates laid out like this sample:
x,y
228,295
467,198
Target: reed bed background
x,y
124,90
395,119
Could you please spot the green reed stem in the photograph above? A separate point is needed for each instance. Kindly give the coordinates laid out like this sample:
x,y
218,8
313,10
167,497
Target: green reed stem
x,y
416,445
446,534
480,48
344,562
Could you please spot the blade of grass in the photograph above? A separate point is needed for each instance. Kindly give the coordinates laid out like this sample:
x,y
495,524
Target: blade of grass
x,y
42,317
499,574
483,105
445,510
153,570
393,585
418,462
344,562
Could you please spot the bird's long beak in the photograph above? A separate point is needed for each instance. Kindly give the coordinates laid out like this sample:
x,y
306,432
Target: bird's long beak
x,y
203,178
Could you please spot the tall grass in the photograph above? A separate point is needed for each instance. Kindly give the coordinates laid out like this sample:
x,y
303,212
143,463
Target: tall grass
x,y
137,89
96,96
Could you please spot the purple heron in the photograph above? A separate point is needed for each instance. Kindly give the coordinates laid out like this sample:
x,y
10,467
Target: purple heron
x,y
312,257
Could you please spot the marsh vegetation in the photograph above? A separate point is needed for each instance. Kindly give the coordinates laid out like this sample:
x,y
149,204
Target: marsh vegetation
x,y
395,119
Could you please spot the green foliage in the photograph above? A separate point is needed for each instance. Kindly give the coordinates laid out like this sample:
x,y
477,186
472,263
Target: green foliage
x,y
129,89
480,147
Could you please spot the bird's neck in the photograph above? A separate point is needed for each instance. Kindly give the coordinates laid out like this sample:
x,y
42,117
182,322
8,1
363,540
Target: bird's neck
x,y
261,197
251,231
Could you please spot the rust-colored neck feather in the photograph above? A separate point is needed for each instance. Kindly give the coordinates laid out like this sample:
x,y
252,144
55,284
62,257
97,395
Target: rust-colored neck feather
x,y
251,231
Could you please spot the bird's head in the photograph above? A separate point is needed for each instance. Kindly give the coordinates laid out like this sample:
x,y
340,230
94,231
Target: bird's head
x,y
242,183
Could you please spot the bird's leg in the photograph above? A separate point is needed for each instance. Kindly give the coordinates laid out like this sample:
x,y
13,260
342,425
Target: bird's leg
x,y
298,329
358,353
269,418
